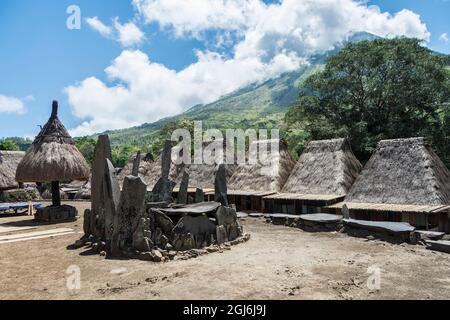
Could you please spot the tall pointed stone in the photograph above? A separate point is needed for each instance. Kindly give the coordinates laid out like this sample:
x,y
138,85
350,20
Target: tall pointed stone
x,y
220,186
136,165
166,160
112,197
101,153
183,192
162,191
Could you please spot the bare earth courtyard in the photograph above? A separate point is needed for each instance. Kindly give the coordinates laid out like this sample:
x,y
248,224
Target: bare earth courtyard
x,y
277,263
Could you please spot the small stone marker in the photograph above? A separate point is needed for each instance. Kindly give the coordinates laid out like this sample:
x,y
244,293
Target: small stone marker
x,y
199,195
345,212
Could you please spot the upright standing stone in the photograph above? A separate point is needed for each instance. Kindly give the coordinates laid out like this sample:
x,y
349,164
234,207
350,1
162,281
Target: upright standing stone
x,y
112,197
345,212
101,153
136,165
183,192
220,186
166,160
130,212
163,189
199,195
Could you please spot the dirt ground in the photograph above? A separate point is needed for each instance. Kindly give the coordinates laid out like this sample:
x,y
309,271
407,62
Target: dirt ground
x,y
276,263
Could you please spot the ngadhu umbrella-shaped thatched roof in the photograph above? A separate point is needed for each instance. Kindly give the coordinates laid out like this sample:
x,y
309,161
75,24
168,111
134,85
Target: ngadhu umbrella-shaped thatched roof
x,y
53,156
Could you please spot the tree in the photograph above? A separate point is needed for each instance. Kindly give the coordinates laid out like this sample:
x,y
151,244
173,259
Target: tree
x,y
374,90
86,145
121,154
165,132
9,145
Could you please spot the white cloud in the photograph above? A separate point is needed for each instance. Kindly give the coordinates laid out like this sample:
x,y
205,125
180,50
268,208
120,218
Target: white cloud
x,y
99,26
128,34
443,37
150,91
266,40
11,105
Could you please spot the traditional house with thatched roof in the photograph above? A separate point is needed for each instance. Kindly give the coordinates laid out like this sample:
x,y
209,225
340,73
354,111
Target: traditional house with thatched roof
x,y
53,157
202,176
9,160
149,170
404,181
251,182
322,176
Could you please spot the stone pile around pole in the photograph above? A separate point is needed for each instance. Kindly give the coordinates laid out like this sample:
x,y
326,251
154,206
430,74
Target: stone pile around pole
x,y
136,223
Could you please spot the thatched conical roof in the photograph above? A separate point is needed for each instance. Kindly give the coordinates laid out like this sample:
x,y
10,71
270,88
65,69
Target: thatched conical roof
x,y
149,170
53,155
403,171
326,167
143,166
203,175
259,178
9,160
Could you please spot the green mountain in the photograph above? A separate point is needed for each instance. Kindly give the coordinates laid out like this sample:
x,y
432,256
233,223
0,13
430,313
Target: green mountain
x,y
257,105
260,105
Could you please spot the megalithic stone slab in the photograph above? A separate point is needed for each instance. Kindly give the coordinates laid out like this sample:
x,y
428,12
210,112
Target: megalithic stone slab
x,y
166,160
220,186
112,197
130,211
102,152
136,165
199,195
183,192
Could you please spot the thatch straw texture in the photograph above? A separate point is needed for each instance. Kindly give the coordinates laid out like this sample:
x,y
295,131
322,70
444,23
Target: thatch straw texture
x,y
143,167
257,177
326,167
403,171
9,160
53,156
149,171
203,175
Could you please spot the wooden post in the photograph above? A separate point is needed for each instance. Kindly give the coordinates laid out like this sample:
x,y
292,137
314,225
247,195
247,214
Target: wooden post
x,y
56,197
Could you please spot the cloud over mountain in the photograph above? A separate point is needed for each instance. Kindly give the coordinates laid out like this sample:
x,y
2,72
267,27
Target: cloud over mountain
x,y
265,39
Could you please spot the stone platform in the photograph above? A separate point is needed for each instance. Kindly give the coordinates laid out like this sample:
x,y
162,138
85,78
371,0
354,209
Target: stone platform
x,y
56,214
315,222
385,230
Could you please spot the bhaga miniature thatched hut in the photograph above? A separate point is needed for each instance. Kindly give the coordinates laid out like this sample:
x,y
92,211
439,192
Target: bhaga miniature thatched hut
x,y
53,157
251,182
322,176
9,160
404,181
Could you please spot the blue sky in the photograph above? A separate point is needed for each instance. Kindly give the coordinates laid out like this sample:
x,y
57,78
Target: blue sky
x,y
183,58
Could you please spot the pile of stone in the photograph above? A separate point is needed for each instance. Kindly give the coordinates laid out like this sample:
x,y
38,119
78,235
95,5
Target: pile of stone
x,y
135,223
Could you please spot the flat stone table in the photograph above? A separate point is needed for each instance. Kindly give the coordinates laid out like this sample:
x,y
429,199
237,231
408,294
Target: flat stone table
x,y
381,226
321,218
196,209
